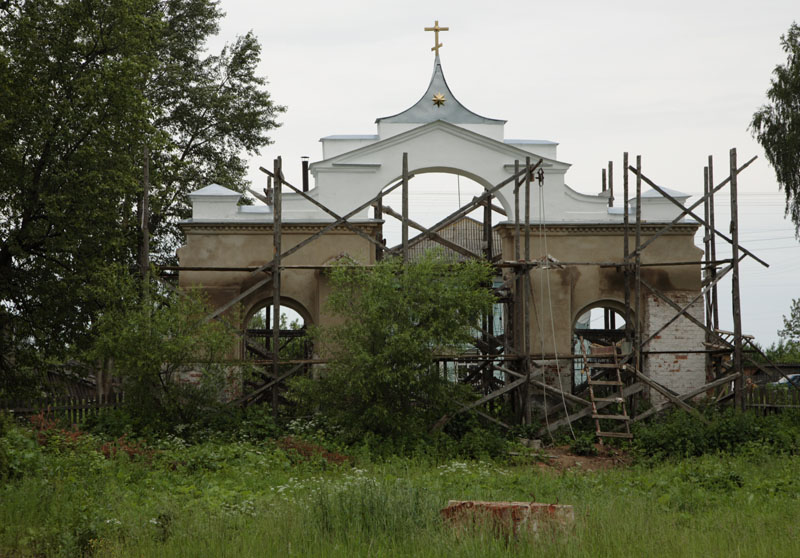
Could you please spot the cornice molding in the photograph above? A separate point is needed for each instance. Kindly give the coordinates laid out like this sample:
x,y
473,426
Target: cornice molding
x,y
609,229
267,228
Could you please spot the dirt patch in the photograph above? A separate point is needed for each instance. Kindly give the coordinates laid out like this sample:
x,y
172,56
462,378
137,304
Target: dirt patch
x,y
560,458
303,451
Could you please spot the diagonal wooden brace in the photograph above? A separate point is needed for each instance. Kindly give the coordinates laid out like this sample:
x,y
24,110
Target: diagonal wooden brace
x,y
478,201
685,211
264,268
349,226
427,233
667,393
694,216
627,391
695,392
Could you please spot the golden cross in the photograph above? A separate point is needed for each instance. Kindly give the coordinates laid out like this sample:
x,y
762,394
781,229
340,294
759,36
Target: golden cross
x,y
436,30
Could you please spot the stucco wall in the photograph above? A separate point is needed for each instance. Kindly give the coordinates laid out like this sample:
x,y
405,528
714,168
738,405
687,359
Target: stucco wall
x,y
559,295
250,245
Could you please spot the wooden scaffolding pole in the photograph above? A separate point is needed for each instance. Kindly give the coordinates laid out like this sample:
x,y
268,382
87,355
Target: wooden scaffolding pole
x,y
626,270
713,241
526,282
707,274
379,232
276,281
737,317
405,207
637,268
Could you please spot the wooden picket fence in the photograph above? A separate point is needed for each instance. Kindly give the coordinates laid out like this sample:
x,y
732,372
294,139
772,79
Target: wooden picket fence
x,y
771,399
71,409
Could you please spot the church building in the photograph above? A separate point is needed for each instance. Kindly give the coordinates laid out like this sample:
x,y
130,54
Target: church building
x,y
576,286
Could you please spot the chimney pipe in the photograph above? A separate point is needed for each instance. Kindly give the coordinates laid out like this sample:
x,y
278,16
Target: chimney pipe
x,y
304,158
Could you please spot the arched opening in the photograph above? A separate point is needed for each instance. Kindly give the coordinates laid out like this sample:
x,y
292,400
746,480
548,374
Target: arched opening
x,y
434,194
597,326
293,345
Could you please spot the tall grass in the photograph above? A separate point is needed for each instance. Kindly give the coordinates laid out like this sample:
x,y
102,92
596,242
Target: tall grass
x,y
250,500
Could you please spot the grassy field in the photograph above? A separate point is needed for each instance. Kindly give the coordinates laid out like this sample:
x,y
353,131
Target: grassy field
x,y
226,498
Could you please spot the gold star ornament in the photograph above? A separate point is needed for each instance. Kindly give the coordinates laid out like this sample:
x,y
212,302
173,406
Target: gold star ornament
x,y
438,99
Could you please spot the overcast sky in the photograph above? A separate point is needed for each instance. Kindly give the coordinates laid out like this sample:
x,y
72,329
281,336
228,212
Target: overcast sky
x,y
673,81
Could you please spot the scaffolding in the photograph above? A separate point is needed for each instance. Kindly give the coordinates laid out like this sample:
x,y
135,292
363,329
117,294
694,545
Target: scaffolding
x,y
503,364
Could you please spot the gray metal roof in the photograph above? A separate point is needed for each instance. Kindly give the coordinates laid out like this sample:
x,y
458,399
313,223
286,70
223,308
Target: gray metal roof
x,y
530,142
351,137
425,110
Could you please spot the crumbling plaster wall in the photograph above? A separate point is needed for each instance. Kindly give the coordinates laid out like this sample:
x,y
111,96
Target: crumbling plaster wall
x,y
559,295
250,245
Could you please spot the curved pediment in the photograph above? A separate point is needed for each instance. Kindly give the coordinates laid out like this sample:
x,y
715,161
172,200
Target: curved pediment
x,y
439,138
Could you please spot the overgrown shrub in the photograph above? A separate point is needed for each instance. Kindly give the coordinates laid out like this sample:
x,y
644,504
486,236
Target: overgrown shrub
x,y
678,434
583,444
172,361
19,452
381,378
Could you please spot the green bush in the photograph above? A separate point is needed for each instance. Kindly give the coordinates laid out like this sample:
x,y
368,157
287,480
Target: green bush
x,y
396,317
678,434
583,444
171,360
19,452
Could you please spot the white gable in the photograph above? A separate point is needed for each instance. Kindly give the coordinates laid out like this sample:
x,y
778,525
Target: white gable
x,y
439,134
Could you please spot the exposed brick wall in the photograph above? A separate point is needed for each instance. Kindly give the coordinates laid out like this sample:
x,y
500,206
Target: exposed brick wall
x,y
679,372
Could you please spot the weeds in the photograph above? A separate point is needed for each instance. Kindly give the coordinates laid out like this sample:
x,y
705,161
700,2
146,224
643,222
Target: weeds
x,y
259,498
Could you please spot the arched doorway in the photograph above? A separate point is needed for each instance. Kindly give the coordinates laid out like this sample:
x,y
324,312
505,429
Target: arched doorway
x,y
601,324
294,344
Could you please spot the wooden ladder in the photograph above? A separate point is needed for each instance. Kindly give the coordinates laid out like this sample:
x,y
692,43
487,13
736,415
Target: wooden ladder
x,y
612,387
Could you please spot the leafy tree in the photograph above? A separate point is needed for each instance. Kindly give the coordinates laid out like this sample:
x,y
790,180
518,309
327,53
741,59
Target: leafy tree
x,y
210,109
791,325
395,318
787,349
85,86
776,125
172,361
